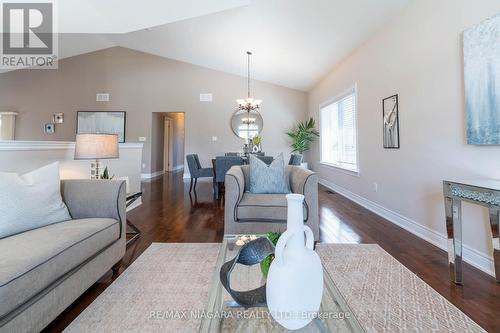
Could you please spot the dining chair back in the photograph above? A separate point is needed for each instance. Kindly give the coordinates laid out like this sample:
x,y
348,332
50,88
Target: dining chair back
x,y
223,164
295,159
196,171
266,159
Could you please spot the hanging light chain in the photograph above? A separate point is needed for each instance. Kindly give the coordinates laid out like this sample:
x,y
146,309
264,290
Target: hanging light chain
x,y
249,103
248,76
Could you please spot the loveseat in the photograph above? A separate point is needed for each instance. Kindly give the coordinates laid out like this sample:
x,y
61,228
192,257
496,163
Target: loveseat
x,y
44,270
250,213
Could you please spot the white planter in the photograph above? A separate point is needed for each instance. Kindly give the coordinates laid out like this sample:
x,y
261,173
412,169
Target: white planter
x,y
295,280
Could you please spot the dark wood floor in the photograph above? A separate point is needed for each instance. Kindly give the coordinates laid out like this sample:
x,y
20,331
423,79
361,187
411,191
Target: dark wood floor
x,y
170,214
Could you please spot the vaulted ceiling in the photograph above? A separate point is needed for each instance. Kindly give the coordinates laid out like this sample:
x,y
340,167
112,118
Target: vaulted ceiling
x,y
295,42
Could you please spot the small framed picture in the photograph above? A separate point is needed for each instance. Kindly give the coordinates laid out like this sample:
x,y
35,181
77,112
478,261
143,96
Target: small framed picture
x,y
59,118
49,128
390,115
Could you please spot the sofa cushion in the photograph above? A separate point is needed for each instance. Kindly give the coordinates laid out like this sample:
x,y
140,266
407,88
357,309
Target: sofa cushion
x,y
269,179
263,207
246,174
31,201
32,260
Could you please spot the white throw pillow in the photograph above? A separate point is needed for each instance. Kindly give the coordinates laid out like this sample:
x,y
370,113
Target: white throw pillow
x,y
31,201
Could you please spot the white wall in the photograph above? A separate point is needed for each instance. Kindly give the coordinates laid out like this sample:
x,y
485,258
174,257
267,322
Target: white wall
x,y
418,55
25,156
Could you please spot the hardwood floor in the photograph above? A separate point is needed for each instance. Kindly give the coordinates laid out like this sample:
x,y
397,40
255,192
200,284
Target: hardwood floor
x,y
169,214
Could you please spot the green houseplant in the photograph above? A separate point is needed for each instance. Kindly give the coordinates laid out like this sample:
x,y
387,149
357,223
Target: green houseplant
x,y
105,174
266,263
303,136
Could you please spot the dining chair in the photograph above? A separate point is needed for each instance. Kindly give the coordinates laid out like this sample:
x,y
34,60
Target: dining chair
x,y
196,171
295,159
222,165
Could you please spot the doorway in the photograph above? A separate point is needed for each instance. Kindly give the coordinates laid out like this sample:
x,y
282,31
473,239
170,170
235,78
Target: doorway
x,y
167,144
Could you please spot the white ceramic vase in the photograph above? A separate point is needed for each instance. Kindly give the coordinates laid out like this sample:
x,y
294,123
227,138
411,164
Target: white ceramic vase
x,y
295,280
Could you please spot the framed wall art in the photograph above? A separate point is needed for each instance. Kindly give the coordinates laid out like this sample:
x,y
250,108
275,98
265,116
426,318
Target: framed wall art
x,y
481,45
105,122
390,113
49,128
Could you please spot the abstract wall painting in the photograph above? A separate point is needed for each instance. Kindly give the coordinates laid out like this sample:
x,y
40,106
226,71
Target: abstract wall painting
x,y
104,122
482,82
390,115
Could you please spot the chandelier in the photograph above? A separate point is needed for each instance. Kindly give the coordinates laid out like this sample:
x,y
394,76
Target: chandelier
x,y
248,104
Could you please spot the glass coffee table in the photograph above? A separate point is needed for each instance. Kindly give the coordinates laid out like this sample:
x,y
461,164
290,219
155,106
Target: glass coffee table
x,y
222,314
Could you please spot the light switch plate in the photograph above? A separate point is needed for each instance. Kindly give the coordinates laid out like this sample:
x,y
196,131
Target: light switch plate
x,y
142,139
214,138
206,97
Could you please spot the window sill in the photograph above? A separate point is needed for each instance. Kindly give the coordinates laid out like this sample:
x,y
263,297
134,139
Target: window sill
x,y
339,168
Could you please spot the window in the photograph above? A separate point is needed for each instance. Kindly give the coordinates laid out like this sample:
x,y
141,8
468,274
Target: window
x,y
339,132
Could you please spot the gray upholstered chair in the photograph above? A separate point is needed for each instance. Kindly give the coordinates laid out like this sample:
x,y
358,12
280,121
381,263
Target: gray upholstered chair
x,y
295,159
196,171
266,159
222,165
249,213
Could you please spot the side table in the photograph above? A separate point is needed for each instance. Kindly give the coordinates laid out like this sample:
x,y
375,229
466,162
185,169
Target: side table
x,y
136,232
485,193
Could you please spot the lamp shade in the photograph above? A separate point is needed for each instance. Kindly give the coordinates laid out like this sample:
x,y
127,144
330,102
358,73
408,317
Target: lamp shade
x,y
96,146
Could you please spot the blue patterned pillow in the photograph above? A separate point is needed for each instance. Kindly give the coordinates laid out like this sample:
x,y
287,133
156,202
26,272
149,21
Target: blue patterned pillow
x,y
268,178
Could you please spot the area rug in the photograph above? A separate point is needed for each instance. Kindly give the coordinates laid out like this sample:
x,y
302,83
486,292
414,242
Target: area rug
x,y
385,296
157,292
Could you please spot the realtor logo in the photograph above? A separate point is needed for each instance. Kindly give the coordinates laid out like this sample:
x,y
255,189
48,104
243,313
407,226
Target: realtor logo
x,y
28,38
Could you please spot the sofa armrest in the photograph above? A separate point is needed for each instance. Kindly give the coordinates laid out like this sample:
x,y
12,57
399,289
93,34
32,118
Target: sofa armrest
x,y
87,198
234,182
301,179
305,182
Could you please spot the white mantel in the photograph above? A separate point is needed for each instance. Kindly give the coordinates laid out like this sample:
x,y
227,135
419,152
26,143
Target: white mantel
x,y
53,145
24,156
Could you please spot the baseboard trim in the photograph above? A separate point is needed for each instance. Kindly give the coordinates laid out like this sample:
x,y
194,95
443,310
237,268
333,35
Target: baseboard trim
x,y
151,175
177,168
470,255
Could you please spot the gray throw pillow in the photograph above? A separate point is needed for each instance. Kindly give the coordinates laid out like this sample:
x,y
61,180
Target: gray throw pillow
x,y
268,178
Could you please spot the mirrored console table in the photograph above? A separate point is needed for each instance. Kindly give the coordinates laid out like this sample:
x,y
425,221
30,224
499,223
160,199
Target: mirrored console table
x,y
481,192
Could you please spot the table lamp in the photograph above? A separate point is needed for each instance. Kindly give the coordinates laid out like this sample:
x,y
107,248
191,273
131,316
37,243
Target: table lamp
x,y
96,147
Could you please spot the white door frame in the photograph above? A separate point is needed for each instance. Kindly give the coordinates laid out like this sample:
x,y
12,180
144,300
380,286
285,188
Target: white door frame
x,y
167,145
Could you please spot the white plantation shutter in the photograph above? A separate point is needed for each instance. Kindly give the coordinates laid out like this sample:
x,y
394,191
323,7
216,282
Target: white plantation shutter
x,y
338,132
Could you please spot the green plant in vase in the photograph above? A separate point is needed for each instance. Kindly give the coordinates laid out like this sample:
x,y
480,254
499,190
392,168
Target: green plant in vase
x,y
266,263
303,136
256,141
105,174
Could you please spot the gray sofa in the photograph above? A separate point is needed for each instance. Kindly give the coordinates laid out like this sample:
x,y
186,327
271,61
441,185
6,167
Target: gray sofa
x,y
248,213
43,271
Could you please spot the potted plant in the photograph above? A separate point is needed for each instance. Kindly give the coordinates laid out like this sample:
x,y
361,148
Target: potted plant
x,y
256,141
266,263
303,136
105,174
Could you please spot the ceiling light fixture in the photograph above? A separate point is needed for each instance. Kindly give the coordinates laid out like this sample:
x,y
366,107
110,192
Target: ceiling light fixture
x,y
248,104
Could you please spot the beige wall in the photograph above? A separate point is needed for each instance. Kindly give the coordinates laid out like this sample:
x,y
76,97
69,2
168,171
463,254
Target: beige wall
x,y
141,84
22,157
418,56
157,140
